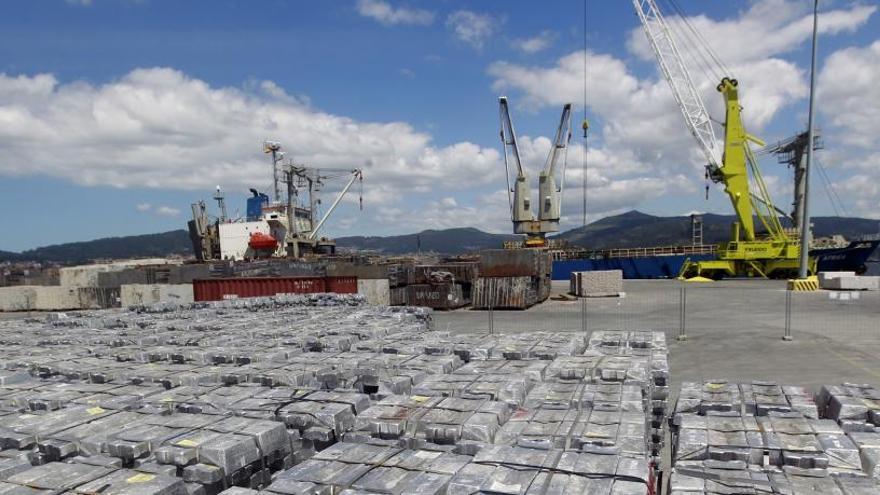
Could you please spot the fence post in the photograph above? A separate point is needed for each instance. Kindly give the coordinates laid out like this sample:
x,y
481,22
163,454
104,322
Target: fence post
x,y
787,335
682,313
491,319
584,315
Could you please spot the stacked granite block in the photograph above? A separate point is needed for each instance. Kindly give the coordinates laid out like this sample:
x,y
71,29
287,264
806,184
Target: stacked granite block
x,y
317,394
639,358
596,283
762,437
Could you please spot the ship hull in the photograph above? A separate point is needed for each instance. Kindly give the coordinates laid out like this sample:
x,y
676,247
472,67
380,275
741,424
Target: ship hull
x,y
852,258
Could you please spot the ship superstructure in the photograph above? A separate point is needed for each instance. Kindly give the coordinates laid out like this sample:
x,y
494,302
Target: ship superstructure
x,y
276,226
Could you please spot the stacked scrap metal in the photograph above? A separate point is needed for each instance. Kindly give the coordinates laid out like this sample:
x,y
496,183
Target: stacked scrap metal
x,y
765,438
512,279
439,285
314,394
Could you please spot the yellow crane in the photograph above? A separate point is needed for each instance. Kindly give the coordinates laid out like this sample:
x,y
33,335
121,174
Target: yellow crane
x,y
772,253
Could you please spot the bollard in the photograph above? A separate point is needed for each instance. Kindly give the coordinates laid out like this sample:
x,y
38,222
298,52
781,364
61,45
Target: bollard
x,y
682,312
787,335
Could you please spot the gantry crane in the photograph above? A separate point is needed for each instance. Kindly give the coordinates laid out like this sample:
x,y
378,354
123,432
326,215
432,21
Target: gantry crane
x,y
773,253
549,192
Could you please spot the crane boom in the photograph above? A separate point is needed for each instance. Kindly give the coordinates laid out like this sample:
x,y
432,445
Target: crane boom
x,y
521,209
676,73
549,192
355,174
733,165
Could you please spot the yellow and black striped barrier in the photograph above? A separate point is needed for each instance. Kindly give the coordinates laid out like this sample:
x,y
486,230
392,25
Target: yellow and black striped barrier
x,y
808,284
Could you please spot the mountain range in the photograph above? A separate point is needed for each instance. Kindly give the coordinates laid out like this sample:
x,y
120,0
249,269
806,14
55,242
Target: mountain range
x,y
631,229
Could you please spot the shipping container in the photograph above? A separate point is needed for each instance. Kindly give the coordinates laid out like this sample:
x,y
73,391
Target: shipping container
x,y
341,285
445,296
215,289
504,293
514,263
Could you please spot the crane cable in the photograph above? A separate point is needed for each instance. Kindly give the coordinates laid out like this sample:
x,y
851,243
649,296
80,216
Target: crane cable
x,y
701,40
585,125
831,192
690,42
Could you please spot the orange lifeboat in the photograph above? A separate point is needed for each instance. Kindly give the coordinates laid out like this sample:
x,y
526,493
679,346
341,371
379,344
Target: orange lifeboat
x,y
262,242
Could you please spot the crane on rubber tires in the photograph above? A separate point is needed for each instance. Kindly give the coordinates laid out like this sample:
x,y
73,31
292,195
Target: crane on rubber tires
x,y
773,253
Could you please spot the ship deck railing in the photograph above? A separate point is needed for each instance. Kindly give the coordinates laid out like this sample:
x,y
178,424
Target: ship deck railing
x,y
635,252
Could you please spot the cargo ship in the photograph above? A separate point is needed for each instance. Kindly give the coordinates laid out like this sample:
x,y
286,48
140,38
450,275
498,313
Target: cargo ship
x,y
276,227
666,262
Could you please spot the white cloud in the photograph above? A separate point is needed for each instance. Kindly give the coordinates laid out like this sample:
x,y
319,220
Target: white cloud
x,y
488,212
848,101
642,146
161,210
84,3
471,28
407,73
862,192
167,211
158,128
849,97
768,28
388,15
535,43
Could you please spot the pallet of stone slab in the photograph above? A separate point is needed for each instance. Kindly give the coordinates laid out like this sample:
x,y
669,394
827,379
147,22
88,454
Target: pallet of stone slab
x,y
540,345
787,440
848,281
60,477
622,342
758,398
436,420
725,477
597,283
511,469
208,453
504,293
601,429
367,468
854,406
508,388
532,369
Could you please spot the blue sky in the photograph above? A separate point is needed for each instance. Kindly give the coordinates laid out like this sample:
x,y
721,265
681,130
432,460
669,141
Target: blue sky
x,y
115,115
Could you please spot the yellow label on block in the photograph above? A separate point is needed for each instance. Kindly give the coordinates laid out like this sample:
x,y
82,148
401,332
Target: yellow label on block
x,y
186,442
95,410
141,478
419,398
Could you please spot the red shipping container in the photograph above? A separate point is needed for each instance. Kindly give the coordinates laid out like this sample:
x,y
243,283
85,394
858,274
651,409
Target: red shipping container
x,y
341,285
215,289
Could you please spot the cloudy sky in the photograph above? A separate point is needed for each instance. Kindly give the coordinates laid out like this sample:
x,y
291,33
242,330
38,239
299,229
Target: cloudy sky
x,y
115,115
